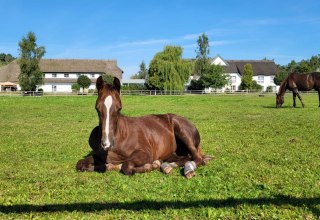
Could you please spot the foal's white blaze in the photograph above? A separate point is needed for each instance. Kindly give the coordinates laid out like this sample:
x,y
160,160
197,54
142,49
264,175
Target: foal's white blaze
x,y
108,103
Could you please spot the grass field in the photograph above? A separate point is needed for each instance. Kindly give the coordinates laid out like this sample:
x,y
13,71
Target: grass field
x,y
267,161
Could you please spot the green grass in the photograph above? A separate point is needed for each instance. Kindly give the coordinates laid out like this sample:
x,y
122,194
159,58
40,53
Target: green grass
x,y
266,166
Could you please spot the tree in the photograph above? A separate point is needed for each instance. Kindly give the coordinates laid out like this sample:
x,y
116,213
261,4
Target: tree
x,y
168,71
214,77
202,60
280,76
75,86
84,82
246,81
29,58
6,58
142,74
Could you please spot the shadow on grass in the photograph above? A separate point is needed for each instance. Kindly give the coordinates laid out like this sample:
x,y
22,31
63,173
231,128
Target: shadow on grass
x,y
310,203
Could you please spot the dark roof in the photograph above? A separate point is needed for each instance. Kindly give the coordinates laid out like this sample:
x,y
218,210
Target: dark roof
x,y
259,67
11,71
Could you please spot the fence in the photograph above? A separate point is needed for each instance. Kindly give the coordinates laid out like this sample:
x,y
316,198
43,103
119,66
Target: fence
x,y
140,92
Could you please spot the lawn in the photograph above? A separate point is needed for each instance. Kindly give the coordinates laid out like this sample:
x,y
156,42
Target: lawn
x,y
266,166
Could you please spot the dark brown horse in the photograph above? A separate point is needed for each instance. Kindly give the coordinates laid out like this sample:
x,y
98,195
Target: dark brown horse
x,y
298,82
135,144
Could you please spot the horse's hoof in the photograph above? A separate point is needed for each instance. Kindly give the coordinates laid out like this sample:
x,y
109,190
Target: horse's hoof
x,y
166,168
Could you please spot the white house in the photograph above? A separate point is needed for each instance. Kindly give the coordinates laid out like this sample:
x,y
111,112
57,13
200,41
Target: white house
x,y
60,74
264,72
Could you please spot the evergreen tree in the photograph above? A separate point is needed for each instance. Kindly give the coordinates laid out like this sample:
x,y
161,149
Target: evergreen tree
x,y
246,80
142,74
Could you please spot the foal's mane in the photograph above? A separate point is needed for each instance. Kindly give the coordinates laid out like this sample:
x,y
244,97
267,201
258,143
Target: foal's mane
x,y
282,88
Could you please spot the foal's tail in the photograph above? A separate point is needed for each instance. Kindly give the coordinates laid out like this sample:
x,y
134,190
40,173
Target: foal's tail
x,y
181,160
205,158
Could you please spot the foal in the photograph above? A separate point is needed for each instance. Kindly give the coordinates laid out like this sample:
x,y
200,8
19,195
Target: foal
x,y
135,143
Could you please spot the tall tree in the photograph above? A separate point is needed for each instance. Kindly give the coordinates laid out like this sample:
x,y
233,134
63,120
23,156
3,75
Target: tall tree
x,y
142,74
168,71
202,59
29,58
246,80
210,75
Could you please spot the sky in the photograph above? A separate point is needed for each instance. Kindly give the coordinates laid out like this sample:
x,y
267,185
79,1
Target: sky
x,y
133,31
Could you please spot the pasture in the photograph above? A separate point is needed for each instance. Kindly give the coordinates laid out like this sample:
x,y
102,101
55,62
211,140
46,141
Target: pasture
x,y
266,166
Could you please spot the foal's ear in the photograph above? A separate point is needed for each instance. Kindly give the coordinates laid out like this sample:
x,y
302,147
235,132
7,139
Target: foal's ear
x,y
116,84
99,83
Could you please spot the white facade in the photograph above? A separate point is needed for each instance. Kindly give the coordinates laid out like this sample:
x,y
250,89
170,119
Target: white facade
x,y
235,78
69,78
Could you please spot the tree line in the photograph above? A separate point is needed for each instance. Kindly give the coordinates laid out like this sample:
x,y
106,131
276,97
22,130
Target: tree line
x,y
6,58
304,66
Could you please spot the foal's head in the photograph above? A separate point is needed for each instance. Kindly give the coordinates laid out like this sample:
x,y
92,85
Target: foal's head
x,y
279,100
108,106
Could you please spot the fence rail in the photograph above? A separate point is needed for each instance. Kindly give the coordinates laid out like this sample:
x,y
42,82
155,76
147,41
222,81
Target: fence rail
x,y
139,92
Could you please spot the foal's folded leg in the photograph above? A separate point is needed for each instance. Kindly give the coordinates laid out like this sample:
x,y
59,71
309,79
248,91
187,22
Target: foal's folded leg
x,y
148,167
137,159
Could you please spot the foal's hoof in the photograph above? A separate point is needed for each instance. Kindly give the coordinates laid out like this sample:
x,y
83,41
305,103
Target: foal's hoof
x,y
166,168
190,174
111,167
156,164
189,169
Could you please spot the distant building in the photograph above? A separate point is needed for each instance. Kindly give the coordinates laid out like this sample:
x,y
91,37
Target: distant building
x,y
60,74
264,72
127,82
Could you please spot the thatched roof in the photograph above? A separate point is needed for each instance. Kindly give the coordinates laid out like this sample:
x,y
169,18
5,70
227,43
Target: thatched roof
x,y
259,67
11,71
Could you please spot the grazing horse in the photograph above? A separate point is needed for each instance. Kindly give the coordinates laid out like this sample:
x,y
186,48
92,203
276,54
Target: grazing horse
x,y
136,144
298,82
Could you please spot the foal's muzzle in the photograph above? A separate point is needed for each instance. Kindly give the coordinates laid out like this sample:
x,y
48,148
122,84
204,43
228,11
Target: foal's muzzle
x,y
106,145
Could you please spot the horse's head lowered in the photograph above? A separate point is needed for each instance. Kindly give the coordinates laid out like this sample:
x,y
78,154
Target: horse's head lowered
x,y
108,106
279,100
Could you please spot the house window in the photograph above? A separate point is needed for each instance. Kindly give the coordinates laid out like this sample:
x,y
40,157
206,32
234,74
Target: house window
x,y
66,75
233,79
260,79
54,75
92,75
78,74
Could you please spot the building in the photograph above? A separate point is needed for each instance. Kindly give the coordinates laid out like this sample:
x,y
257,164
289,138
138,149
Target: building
x,y
264,72
60,74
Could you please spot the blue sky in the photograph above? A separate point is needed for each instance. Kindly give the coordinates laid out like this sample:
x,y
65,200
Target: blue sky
x,y
133,31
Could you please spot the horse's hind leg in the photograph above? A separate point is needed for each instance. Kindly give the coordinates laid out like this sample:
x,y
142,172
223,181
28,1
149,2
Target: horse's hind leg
x,y
295,92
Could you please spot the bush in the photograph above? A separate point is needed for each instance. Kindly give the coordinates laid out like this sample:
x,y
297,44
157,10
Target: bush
x,y
75,86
